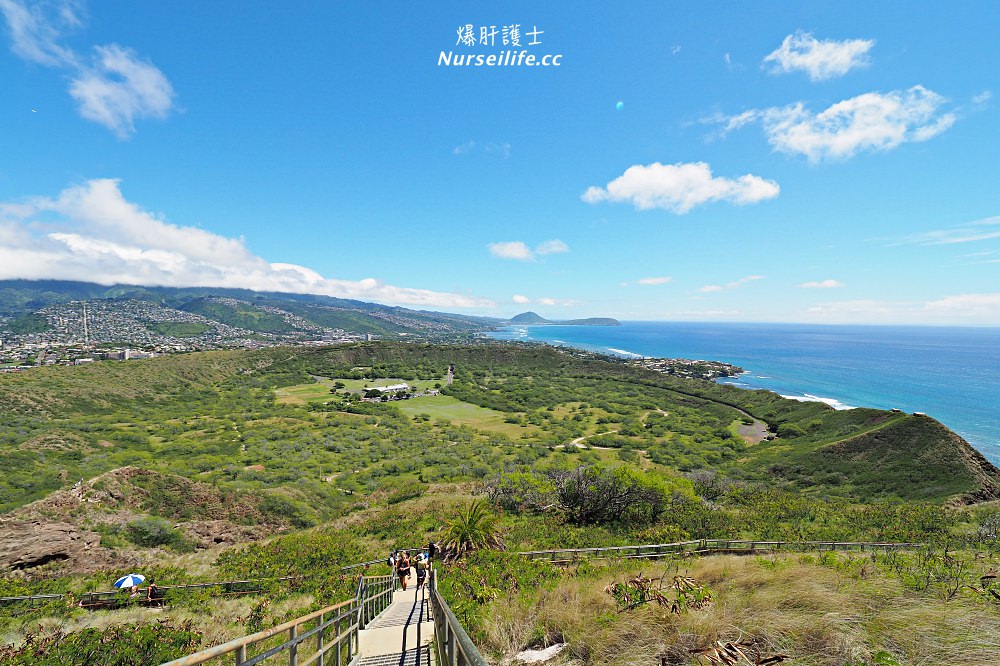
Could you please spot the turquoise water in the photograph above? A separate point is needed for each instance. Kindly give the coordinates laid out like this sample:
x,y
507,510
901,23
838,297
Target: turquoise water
x,y
952,374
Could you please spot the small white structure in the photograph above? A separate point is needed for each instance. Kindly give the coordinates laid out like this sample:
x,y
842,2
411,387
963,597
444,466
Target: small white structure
x,y
394,388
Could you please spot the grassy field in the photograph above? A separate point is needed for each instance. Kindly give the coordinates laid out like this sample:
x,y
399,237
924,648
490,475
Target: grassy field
x,y
462,413
319,391
303,393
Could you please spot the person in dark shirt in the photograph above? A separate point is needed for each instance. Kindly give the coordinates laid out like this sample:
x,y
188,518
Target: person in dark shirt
x,y
403,568
432,552
154,595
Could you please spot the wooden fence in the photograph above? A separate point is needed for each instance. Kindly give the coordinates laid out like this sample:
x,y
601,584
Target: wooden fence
x,y
701,546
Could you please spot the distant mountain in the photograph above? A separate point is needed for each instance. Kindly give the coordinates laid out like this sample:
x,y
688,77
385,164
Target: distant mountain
x,y
529,318
534,319
268,313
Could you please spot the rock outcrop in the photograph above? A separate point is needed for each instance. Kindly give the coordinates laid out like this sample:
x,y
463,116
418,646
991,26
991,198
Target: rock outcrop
x,y
25,545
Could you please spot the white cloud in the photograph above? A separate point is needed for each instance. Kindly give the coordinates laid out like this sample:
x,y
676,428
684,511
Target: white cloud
x,y
36,30
821,59
822,284
92,233
982,97
114,89
119,87
872,121
470,146
465,148
512,250
520,299
675,49
499,149
654,280
710,288
967,306
554,246
979,230
520,251
680,187
968,309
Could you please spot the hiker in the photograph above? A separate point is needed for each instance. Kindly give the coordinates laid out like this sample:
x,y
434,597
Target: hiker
x,y
403,568
135,591
154,595
423,565
392,559
432,551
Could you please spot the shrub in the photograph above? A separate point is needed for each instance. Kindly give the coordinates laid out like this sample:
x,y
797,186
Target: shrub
x,y
593,495
117,645
286,509
521,491
472,528
151,532
404,491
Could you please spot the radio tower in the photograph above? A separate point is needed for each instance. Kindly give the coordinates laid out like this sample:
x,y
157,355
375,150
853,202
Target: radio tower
x,y
86,330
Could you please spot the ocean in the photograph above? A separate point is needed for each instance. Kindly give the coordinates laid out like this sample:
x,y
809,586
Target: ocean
x,y
950,373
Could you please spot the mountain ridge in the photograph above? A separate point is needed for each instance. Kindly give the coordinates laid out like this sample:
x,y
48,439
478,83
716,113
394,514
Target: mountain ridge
x,y
534,319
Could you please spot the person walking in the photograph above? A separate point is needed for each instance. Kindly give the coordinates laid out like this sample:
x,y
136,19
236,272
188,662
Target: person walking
x,y
403,568
422,568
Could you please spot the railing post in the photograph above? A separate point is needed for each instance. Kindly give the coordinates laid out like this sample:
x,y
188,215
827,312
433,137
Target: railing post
x,y
293,649
319,639
356,632
450,642
340,644
241,655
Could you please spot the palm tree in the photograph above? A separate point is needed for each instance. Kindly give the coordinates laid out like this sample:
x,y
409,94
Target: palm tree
x,y
472,528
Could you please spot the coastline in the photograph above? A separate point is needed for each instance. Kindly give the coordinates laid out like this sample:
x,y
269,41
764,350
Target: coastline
x,y
948,373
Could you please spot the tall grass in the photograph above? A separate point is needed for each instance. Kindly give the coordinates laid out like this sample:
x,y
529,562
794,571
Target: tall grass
x,y
819,615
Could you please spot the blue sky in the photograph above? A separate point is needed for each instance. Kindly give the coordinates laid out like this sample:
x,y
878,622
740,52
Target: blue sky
x,y
824,162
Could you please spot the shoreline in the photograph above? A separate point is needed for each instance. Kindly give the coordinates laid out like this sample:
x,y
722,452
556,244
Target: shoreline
x,y
881,367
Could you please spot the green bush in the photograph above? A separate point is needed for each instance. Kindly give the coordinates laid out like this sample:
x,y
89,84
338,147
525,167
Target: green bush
x,y
117,645
285,508
151,532
405,490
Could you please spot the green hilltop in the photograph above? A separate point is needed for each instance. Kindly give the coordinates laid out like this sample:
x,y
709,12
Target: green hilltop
x,y
209,413
240,464
257,312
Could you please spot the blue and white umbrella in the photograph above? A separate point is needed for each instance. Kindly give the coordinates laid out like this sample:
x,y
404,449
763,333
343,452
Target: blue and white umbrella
x,y
130,580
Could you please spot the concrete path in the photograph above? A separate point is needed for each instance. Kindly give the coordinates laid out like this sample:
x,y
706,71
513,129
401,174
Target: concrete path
x,y
399,636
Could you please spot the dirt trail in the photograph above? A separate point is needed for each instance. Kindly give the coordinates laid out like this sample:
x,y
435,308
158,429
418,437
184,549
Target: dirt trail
x,y
578,442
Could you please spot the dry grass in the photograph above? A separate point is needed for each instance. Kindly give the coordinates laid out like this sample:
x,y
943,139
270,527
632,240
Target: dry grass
x,y
218,620
818,616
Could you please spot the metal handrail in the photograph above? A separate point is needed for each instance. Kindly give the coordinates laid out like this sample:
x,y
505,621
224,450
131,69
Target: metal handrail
x,y
348,618
451,642
112,594
701,545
